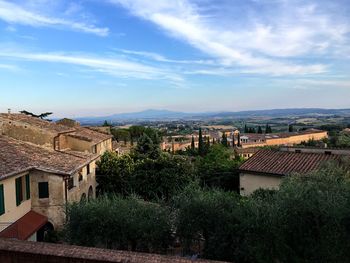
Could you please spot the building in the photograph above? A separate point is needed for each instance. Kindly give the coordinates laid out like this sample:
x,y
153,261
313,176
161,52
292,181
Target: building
x,y
70,136
36,184
266,168
43,166
286,138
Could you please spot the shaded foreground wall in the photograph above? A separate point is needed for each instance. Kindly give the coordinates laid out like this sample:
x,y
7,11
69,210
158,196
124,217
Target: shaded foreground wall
x,y
14,251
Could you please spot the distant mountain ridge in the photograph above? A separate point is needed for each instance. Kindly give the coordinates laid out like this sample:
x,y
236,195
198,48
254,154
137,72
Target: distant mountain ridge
x,y
154,114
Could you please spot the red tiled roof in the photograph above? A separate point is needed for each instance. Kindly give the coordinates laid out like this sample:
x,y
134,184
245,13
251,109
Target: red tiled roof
x,y
17,156
89,135
24,227
54,252
284,163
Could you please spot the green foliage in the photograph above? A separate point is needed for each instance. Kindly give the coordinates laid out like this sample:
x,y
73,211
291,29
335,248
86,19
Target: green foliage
x,y
150,178
209,215
120,223
146,148
106,124
307,220
218,169
268,129
290,128
114,173
260,130
224,140
200,143
343,140
121,135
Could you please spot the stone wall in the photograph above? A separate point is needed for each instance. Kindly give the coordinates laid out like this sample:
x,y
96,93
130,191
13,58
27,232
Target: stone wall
x,y
26,132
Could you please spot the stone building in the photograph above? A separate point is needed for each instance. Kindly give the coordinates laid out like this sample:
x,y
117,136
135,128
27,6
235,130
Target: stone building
x,y
70,136
39,181
266,168
44,166
285,138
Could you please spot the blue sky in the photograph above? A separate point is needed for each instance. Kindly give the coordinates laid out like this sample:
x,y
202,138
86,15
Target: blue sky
x,y
97,57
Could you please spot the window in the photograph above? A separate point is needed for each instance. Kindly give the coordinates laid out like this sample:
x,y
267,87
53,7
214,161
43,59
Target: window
x,y
94,149
70,183
80,177
19,191
2,200
297,151
43,190
88,169
328,152
27,186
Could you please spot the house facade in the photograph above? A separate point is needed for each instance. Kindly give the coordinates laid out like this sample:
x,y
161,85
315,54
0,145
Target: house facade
x,y
266,168
43,167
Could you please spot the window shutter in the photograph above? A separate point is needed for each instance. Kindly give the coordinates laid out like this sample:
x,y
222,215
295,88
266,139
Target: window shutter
x,y
27,186
18,191
2,200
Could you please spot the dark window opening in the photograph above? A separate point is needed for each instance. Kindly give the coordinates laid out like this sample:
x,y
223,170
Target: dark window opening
x,y
88,169
80,177
328,152
2,200
70,183
43,190
298,151
19,191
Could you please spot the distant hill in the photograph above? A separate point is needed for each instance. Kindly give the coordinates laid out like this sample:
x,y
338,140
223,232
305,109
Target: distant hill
x,y
167,115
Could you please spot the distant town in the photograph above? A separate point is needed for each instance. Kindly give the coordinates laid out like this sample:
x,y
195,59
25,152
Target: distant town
x,y
137,186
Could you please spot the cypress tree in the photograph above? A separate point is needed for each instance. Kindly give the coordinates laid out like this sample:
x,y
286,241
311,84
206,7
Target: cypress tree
x,y
224,140
192,144
239,140
260,130
233,140
290,128
200,143
246,128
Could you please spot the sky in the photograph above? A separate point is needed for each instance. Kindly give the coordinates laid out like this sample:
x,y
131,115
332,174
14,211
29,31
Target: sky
x,y
99,57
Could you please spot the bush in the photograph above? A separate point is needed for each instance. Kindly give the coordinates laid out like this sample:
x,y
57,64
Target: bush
x,y
120,223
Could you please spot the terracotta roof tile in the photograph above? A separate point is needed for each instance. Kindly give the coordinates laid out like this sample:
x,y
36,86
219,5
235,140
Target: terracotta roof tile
x,y
86,253
17,156
24,227
284,163
89,135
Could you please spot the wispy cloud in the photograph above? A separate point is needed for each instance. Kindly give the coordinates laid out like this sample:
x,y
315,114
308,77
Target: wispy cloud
x,y
106,65
161,58
9,67
272,43
16,14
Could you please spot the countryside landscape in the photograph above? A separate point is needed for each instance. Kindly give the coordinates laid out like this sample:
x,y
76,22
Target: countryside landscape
x,y
174,131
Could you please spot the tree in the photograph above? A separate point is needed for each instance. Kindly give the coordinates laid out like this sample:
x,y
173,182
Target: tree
x,y
40,116
260,130
290,128
217,169
211,216
114,173
239,140
233,140
106,124
119,223
200,143
268,129
246,130
193,144
145,148
224,140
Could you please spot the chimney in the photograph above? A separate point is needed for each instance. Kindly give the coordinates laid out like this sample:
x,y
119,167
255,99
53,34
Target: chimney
x,y
8,111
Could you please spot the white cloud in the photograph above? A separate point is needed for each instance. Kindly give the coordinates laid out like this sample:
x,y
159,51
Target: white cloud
x,y
265,41
9,67
107,65
15,14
